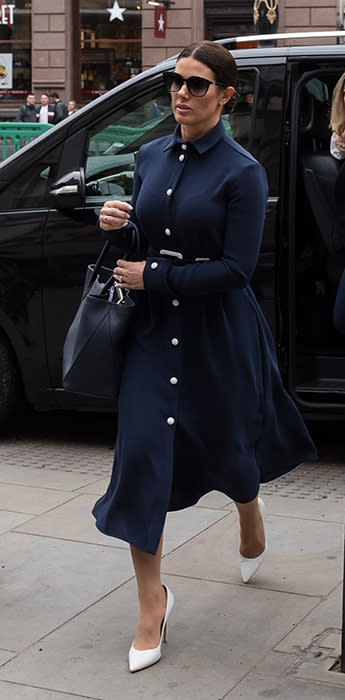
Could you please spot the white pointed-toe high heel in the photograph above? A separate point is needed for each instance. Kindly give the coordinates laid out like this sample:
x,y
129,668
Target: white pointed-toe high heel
x,y
142,658
250,565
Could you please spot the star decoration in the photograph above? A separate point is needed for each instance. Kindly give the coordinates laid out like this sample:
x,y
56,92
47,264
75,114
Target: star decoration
x,y
161,24
116,12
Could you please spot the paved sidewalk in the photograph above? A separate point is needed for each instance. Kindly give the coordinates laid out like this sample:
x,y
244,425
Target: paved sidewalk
x,y
68,595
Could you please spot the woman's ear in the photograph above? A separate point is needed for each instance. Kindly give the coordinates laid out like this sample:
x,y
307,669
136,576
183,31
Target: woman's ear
x,y
227,94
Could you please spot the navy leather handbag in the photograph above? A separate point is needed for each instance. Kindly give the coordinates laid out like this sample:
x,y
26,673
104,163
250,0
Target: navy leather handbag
x,y
94,346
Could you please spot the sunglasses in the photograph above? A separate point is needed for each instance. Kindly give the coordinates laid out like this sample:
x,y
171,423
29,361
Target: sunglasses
x,y
197,87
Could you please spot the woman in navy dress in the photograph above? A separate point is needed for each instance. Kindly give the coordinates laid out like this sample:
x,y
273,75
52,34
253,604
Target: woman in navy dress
x,y
201,402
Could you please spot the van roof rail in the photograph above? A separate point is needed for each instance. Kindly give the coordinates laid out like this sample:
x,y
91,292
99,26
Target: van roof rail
x,y
252,39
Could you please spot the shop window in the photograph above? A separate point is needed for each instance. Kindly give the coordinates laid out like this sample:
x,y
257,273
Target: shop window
x,y
15,50
113,144
110,44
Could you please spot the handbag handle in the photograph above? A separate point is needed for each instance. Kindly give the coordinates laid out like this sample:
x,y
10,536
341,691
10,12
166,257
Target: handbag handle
x,y
134,246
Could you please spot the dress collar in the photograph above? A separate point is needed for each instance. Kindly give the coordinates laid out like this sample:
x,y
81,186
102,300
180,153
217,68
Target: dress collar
x,y
201,145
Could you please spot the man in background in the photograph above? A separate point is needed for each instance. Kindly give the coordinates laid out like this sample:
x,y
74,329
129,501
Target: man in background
x,y
27,112
61,111
45,114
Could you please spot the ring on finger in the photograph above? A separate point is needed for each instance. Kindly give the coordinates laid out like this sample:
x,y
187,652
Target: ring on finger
x,y
105,217
120,278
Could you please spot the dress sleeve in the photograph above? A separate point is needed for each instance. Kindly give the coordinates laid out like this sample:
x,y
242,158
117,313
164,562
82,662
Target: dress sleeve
x,y
121,235
244,223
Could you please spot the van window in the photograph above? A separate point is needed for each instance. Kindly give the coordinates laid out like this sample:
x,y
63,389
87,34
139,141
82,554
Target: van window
x,y
242,117
114,142
31,189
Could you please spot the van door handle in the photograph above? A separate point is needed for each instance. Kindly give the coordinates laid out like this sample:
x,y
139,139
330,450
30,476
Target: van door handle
x,y
65,189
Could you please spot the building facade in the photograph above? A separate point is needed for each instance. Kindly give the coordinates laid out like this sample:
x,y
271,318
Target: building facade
x,y
82,48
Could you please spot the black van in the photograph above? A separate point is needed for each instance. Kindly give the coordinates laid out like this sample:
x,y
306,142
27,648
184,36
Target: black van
x,y
51,189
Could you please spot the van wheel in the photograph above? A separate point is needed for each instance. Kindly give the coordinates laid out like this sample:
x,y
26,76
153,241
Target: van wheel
x,y
10,388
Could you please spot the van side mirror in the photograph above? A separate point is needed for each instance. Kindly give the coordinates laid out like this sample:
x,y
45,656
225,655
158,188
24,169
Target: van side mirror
x,y
68,192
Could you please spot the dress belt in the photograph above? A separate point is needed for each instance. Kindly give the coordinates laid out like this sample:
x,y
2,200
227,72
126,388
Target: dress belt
x,y
174,256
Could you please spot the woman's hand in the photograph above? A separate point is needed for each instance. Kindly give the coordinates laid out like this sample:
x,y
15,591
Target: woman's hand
x,y
340,143
114,215
129,275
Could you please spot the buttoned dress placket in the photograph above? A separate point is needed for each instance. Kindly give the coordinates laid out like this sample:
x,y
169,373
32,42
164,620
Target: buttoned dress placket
x,y
174,341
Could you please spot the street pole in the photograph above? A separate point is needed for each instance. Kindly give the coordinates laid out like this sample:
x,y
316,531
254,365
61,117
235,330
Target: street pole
x,y
340,18
342,655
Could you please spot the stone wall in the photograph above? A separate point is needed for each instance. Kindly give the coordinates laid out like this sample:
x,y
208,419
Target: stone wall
x,y
52,46
308,15
185,23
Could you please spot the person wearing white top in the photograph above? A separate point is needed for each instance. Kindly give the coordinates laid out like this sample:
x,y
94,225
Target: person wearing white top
x,y
45,112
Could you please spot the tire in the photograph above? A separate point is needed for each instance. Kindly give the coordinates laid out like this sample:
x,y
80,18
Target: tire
x,y
10,387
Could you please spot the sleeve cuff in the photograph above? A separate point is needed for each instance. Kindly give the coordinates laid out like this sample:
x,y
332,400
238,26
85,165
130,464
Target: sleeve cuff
x,y
156,275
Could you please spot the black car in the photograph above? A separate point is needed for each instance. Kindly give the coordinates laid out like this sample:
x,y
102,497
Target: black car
x,y
51,189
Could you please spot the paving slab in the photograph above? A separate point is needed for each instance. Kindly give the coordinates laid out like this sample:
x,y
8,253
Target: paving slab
x,y
258,686
47,478
13,691
30,499
46,581
96,488
321,672
216,499
6,656
312,481
9,520
182,526
295,546
74,521
218,633
287,506
326,614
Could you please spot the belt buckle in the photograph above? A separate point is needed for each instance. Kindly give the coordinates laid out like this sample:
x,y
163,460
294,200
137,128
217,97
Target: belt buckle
x,y
172,253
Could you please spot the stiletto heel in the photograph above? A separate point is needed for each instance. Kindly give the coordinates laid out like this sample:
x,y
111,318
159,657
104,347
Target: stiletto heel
x,y
142,658
250,565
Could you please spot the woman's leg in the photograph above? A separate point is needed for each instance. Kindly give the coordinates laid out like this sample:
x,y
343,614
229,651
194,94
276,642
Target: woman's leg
x,y
152,597
252,534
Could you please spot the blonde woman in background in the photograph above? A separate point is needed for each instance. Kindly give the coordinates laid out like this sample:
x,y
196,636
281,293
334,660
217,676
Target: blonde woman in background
x,y
337,146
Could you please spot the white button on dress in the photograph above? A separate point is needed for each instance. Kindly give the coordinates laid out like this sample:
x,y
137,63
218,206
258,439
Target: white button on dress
x,y
175,302
181,157
174,341
173,380
169,192
154,265
167,232
184,146
171,420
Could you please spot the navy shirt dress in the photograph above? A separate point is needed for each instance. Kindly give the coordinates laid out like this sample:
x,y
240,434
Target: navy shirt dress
x,y
201,403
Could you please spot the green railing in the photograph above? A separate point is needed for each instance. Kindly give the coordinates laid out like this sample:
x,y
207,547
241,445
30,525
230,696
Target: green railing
x,y
14,135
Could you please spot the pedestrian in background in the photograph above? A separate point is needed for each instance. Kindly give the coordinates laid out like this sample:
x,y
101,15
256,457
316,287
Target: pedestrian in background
x,y
60,108
27,112
337,145
72,107
45,113
337,148
201,403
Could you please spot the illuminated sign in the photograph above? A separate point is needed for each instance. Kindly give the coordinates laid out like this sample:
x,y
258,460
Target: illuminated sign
x,y
7,14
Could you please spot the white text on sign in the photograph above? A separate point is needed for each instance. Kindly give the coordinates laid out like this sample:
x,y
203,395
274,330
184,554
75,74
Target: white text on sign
x,y
7,14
